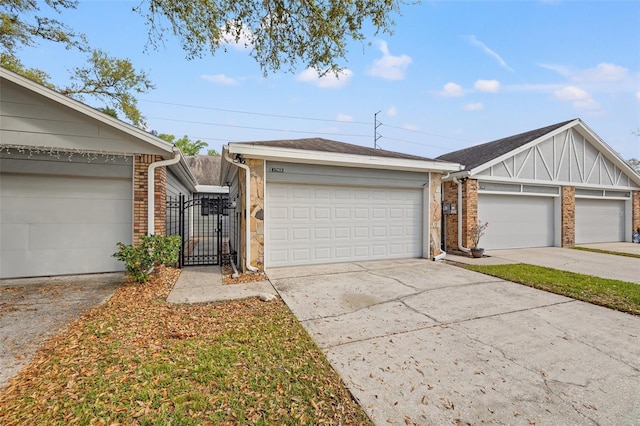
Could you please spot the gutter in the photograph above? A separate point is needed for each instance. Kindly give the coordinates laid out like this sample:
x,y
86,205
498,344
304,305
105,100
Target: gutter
x,y
151,199
247,221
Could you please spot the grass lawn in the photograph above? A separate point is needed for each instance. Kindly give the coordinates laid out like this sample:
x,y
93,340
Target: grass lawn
x,y
613,294
139,360
617,253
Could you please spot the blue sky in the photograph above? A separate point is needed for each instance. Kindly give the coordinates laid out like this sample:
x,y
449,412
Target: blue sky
x,y
453,74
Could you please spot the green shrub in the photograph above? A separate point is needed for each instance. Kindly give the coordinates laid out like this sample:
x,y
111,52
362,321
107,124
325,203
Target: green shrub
x,y
154,250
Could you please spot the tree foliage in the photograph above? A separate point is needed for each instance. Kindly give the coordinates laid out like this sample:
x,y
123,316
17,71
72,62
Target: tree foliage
x,y
635,164
186,145
280,34
23,23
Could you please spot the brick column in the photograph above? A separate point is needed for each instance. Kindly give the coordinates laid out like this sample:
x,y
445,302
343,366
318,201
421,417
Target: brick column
x,y
568,237
451,220
469,209
140,196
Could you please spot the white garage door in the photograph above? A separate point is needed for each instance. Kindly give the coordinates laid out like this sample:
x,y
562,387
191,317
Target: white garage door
x,y
310,224
599,221
56,224
516,221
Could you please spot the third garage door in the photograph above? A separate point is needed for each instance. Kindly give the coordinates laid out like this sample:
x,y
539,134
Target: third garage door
x,y
516,221
311,224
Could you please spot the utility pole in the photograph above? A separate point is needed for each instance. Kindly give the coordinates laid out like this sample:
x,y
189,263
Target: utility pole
x,y
376,124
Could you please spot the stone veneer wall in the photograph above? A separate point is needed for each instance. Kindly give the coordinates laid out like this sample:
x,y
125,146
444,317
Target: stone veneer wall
x,y
635,200
568,230
140,196
435,215
256,212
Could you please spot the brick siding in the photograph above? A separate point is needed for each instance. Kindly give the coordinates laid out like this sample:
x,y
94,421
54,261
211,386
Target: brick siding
x,y
568,230
140,196
469,215
636,209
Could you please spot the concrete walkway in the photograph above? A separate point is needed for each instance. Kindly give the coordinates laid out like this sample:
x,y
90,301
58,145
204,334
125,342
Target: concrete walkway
x,y
583,262
202,284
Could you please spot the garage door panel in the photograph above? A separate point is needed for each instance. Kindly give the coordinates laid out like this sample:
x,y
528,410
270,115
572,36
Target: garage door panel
x,y
58,224
516,221
363,223
600,220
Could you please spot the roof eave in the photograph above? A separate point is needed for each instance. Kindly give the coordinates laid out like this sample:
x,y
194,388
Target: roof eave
x,y
87,110
339,159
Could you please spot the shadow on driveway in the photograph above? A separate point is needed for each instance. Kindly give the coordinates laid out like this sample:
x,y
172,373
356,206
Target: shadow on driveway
x,y
31,310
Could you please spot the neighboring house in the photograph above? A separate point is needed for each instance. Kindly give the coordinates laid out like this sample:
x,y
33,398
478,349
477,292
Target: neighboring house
x,y
313,201
74,182
560,185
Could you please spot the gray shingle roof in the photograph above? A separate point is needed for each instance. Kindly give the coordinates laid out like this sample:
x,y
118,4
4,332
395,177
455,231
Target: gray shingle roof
x,y
326,145
478,155
205,168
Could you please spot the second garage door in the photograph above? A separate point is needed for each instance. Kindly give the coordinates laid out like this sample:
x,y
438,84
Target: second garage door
x,y
599,221
312,224
516,221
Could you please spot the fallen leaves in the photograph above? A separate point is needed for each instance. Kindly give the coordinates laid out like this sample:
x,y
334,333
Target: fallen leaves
x,y
138,360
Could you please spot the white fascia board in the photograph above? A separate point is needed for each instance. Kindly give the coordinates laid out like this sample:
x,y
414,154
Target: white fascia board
x,y
534,182
516,151
338,159
212,189
87,111
183,172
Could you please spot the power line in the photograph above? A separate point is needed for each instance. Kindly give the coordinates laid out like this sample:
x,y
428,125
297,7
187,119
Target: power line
x,y
259,128
256,113
426,133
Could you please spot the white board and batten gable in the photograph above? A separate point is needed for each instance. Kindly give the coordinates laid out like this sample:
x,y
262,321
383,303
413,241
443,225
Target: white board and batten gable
x,y
520,180
571,155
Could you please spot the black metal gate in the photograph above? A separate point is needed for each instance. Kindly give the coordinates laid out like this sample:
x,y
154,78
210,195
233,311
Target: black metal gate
x,y
202,222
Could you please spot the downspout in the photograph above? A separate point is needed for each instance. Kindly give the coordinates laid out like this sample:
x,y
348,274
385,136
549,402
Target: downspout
x,y
247,201
151,199
464,249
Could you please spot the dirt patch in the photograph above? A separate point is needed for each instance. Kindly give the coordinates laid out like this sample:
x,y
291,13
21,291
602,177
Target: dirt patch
x,y
227,271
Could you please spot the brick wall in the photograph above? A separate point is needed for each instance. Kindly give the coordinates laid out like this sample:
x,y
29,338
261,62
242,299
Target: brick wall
x,y
568,230
140,196
469,215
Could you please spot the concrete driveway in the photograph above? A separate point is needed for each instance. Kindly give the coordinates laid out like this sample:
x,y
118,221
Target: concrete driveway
x,y
31,310
422,342
583,262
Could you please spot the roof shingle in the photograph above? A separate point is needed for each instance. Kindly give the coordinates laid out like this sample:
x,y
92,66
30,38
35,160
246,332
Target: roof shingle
x,y
475,156
326,145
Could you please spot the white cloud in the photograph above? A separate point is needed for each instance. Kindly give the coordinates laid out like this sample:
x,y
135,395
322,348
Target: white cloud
x,y
452,90
473,107
328,81
491,86
489,52
392,111
581,98
411,127
243,34
389,67
571,93
603,72
220,79
344,117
